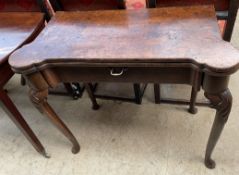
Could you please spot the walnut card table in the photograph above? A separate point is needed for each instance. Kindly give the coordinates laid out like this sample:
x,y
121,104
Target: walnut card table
x,y
169,45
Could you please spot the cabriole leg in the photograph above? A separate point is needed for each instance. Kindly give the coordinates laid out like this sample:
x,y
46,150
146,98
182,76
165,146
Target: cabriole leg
x,y
222,102
39,99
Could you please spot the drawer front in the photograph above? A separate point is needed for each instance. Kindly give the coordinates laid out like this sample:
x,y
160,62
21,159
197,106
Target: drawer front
x,y
126,74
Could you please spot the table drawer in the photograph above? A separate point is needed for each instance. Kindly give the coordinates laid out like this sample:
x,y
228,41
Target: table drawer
x,y
127,74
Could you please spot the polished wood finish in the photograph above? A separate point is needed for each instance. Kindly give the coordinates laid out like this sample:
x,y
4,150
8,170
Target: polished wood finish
x,y
222,102
38,98
180,45
72,89
17,29
226,10
74,5
20,122
141,43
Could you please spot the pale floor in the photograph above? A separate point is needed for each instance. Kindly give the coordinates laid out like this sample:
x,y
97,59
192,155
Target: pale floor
x,y
120,138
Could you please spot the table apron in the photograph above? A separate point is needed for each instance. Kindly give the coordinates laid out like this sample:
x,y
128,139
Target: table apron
x,y
173,75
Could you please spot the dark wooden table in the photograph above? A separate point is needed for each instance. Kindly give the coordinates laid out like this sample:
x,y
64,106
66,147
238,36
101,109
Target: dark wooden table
x,y
170,45
17,29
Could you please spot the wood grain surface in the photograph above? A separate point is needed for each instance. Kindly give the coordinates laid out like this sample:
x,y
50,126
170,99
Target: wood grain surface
x,y
15,29
165,35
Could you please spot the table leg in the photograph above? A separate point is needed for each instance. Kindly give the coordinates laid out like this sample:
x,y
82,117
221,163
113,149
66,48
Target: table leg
x,y
39,99
137,93
192,109
157,96
90,90
23,81
19,121
222,102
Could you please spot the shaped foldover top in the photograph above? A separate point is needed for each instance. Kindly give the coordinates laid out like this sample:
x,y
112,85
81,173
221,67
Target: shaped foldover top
x,y
149,36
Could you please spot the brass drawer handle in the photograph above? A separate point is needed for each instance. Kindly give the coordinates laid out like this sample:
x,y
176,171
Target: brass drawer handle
x,y
115,73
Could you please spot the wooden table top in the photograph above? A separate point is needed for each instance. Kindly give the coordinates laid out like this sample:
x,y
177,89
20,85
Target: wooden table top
x,y
15,29
163,35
